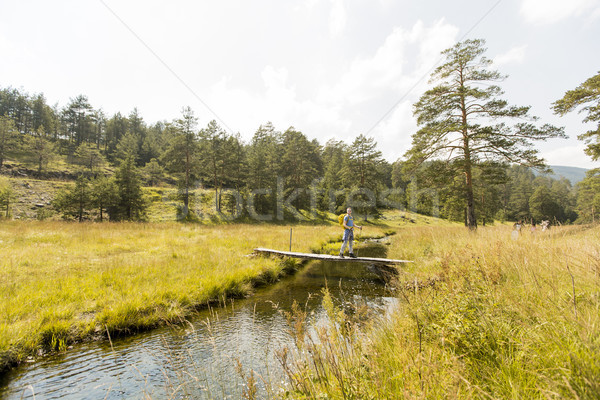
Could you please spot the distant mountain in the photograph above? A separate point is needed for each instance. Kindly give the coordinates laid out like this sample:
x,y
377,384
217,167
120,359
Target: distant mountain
x,y
574,174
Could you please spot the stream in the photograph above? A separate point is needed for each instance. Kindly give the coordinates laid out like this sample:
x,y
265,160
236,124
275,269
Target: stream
x,y
199,360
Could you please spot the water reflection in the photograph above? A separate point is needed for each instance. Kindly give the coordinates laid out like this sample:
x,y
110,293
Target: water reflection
x,y
199,360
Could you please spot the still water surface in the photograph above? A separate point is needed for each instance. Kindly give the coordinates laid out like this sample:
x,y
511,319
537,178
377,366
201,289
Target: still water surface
x,y
198,360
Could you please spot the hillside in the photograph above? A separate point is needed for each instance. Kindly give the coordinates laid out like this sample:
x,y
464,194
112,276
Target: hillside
x,y
573,174
33,192
32,199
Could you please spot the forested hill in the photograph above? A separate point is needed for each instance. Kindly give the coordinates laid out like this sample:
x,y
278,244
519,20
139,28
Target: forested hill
x,y
573,174
103,161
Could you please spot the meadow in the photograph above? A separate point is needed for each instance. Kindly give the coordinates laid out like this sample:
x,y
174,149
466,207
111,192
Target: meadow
x,y
62,282
481,316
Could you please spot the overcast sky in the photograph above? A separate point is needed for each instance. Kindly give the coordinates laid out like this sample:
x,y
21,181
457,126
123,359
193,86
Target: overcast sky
x,y
330,68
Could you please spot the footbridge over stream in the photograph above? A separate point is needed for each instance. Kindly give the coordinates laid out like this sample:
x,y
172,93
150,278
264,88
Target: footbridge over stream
x,y
329,257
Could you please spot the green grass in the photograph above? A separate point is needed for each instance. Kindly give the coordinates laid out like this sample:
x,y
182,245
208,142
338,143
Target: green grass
x,y
64,282
58,165
503,319
480,316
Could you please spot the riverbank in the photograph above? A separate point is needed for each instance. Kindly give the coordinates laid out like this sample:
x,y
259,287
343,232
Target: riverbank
x,y
505,319
67,282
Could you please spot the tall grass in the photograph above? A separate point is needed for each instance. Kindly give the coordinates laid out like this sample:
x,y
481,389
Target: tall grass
x,y
64,282
505,319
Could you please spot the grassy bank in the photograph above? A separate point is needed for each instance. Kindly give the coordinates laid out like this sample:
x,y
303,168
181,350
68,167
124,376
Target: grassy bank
x,y
64,282
504,319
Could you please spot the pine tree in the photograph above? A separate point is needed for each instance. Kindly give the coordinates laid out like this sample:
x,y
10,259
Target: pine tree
x,y
183,154
588,197
41,147
333,156
74,201
116,128
139,131
587,93
43,116
300,166
130,204
362,162
214,158
99,132
518,192
128,147
361,171
264,155
89,157
543,205
8,138
489,179
104,194
463,118
153,172
78,117
153,143
399,184
237,166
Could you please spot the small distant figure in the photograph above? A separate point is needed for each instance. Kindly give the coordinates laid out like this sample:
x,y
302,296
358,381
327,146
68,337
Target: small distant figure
x,y
516,230
545,224
348,233
533,228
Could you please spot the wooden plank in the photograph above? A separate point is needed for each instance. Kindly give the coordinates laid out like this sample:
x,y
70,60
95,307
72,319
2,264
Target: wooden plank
x,y
329,257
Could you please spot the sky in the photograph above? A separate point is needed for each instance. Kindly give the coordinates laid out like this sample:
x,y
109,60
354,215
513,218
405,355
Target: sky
x,y
332,69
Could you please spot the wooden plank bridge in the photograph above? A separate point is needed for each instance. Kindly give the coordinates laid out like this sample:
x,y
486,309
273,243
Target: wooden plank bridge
x,y
329,257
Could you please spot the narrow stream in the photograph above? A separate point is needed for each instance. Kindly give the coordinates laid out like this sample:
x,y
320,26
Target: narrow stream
x,y
198,360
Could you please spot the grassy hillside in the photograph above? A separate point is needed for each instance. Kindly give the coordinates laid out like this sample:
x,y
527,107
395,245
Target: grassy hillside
x,y
32,199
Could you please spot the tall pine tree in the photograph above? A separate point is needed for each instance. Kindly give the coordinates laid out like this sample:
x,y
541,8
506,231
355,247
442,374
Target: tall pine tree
x,y
588,94
182,154
464,119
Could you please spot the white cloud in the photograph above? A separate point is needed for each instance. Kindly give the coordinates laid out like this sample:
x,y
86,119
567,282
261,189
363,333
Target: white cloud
x,y
278,103
551,11
310,3
355,101
396,74
275,80
387,3
397,64
18,54
571,156
515,55
337,17
5,45
394,133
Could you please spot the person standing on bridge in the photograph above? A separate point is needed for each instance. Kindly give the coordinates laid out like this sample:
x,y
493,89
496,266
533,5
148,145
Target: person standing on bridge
x,y
348,238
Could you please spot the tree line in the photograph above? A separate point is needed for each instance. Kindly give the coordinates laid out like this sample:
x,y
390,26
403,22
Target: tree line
x,y
467,162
